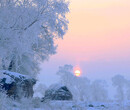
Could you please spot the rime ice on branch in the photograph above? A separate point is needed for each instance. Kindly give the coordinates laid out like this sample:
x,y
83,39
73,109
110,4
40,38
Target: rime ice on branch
x,y
27,32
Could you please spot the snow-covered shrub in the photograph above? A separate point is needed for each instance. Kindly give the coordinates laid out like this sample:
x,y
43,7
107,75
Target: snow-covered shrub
x,y
36,101
5,102
57,92
16,84
25,104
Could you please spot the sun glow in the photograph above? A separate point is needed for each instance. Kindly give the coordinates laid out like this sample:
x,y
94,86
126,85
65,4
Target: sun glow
x,y
77,73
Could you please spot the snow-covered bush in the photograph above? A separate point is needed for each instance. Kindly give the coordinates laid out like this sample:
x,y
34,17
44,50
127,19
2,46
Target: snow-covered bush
x,y
5,102
27,32
57,92
16,85
29,104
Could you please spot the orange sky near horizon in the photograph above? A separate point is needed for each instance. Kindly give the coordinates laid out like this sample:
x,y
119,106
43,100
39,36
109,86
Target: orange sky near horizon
x,y
98,30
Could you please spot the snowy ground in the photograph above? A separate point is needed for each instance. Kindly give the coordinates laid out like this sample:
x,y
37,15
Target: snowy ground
x,y
88,106
73,105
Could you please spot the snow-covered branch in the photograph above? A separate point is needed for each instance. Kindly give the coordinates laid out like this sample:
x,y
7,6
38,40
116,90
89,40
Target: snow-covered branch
x,y
27,32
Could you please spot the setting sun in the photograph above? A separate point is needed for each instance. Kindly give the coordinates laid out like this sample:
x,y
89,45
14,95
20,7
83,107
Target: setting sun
x,y
77,73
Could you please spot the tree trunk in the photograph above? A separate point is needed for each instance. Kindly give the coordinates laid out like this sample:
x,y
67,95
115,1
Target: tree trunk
x,y
3,64
11,65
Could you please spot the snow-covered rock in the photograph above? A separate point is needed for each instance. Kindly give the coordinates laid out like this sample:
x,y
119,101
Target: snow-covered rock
x,y
16,85
57,92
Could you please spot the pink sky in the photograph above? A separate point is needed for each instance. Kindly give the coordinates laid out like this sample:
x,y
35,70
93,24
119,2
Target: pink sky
x,y
98,39
97,30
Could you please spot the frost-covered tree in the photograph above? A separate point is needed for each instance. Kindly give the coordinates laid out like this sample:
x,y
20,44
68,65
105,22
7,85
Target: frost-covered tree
x,y
128,90
83,87
79,86
66,75
99,91
120,83
40,89
28,29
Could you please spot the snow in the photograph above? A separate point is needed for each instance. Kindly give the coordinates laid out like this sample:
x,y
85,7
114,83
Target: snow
x,y
25,41
56,86
28,29
10,76
74,105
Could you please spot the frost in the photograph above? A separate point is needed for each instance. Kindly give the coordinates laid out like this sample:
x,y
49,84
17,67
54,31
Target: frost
x,y
27,32
81,87
11,76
